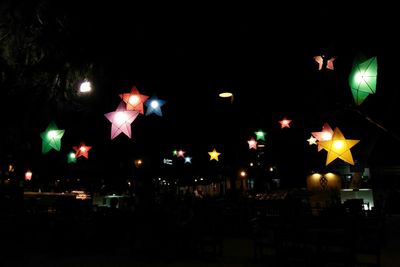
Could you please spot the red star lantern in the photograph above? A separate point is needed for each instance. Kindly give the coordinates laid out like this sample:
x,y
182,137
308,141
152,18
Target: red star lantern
x,y
82,150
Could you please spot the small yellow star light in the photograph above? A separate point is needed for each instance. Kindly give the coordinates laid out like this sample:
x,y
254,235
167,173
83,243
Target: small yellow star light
x,y
214,155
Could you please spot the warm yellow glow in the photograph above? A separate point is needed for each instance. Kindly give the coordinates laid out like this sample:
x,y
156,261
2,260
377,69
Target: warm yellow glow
x,y
338,147
316,176
80,194
134,100
138,163
82,149
338,144
225,94
214,154
243,173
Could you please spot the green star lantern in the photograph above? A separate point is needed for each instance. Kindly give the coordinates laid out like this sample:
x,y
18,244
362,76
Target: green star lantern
x,y
363,78
51,138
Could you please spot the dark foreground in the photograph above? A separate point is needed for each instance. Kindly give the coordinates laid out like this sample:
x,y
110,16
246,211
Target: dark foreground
x,y
199,233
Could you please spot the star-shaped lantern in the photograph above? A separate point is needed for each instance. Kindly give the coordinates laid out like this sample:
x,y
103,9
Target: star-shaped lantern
x,y
338,147
214,155
82,151
285,123
188,159
363,78
71,157
252,143
121,120
134,100
312,140
180,153
324,62
153,105
324,135
51,138
260,135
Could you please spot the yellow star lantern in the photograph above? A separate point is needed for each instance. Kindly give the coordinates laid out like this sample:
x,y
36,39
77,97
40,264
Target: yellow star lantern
x,y
214,155
338,147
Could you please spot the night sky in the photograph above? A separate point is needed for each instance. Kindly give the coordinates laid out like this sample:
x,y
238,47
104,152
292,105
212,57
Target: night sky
x,y
187,54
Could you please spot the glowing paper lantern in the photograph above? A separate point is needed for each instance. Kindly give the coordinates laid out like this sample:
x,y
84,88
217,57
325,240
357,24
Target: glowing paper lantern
x,y
28,175
363,78
252,143
181,153
214,155
71,158
51,138
321,60
324,135
260,135
312,140
338,147
188,159
153,105
121,120
134,100
285,123
82,150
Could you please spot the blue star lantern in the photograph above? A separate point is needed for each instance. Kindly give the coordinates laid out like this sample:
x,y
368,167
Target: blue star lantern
x,y
154,106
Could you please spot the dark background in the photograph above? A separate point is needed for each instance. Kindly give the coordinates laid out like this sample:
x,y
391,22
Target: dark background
x,y
185,54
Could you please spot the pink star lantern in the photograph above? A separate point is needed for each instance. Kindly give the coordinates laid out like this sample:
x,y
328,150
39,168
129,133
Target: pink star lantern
x,y
252,143
181,153
285,123
82,151
134,100
121,120
324,135
321,60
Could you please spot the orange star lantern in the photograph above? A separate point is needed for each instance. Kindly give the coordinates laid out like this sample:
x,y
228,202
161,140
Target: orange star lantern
x,y
134,100
338,147
82,151
214,155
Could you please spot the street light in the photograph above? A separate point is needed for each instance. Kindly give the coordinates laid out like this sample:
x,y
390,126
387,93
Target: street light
x,y
226,94
85,87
